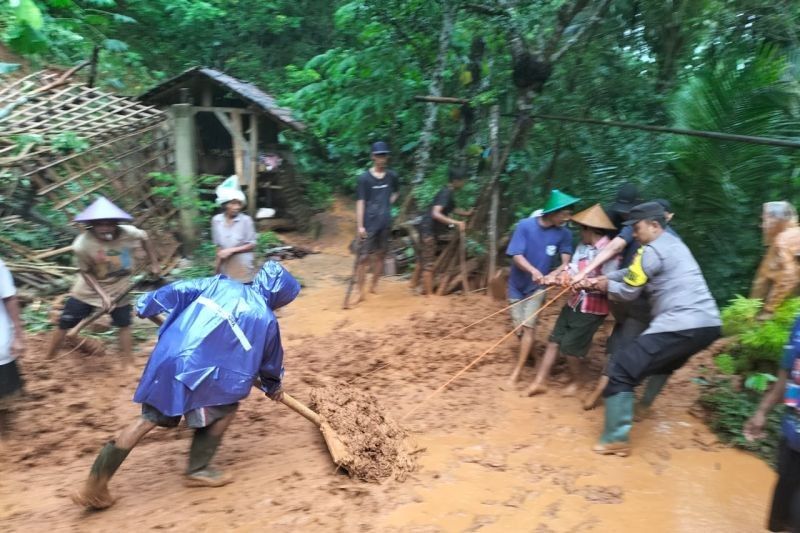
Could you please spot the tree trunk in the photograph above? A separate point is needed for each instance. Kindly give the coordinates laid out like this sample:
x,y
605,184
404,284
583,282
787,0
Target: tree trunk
x,y
494,139
435,89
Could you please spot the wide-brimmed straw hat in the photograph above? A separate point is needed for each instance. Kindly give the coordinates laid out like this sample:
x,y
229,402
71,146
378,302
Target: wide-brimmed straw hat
x,y
594,217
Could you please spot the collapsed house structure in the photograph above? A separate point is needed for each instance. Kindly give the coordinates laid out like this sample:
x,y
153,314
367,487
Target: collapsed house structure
x,y
63,143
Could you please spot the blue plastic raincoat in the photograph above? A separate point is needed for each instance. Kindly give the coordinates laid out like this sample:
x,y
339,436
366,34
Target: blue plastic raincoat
x,y
218,337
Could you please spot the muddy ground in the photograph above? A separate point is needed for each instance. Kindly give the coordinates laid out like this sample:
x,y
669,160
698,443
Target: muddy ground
x,y
491,460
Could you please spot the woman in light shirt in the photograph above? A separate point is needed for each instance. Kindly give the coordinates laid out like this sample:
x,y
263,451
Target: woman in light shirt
x,y
234,234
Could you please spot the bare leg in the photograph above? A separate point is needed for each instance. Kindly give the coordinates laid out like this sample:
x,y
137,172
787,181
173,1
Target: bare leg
x,y
525,346
126,346
377,271
361,278
132,434
427,282
591,401
539,385
55,342
575,366
415,276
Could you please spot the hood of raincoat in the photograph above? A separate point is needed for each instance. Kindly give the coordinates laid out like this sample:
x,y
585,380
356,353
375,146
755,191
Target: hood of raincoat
x,y
219,335
276,285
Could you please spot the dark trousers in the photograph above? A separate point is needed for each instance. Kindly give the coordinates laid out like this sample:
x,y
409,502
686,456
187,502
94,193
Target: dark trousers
x,y
656,353
785,512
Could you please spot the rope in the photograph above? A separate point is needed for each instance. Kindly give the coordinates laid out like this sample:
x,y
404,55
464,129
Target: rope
x,y
481,356
386,365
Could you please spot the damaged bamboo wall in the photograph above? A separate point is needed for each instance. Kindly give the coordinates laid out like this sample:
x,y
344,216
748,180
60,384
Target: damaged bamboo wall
x,y
61,145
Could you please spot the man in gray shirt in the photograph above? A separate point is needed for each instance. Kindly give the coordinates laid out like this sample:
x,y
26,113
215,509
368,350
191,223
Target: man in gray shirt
x,y
685,318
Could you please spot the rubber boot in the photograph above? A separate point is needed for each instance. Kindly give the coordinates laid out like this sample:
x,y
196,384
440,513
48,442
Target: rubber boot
x,y
427,282
618,420
198,473
652,388
94,494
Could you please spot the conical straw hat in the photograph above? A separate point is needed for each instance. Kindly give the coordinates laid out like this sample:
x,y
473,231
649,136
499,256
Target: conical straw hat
x,y
102,209
558,200
594,217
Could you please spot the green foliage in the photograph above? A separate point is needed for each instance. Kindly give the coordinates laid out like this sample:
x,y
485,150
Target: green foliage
x,y
320,195
36,317
267,240
203,262
730,409
68,141
759,382
760,342
740,315
726,363
166,186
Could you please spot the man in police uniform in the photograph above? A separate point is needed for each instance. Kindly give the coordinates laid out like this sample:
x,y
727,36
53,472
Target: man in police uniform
x,y
685,318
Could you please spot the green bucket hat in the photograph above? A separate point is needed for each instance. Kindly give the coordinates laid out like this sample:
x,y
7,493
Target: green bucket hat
x,y
558,200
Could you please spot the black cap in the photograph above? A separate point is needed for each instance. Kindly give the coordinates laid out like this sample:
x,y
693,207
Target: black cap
x,y
665,204
627,197
645,211
380,147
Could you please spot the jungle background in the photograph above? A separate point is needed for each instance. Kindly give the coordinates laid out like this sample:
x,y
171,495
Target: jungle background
x,y
351,71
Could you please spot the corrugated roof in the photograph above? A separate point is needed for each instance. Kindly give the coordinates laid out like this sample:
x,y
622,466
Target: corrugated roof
x,y
247,91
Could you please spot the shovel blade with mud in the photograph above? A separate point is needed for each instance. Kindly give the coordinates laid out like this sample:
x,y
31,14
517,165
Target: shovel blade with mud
x,y
338,450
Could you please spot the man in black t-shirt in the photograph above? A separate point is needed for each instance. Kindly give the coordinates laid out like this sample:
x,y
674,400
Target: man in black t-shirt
x,y
376,192
435,224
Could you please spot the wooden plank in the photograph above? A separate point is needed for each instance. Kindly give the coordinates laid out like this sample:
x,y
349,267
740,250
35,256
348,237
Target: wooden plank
x,y
252,190
211,109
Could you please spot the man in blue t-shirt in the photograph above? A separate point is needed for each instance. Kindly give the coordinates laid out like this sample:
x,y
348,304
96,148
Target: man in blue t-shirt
x,y
536,244
785,512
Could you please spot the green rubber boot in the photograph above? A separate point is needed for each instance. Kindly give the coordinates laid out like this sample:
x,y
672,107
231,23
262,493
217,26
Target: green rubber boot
x,y
198,473
652,388
618,420
94,494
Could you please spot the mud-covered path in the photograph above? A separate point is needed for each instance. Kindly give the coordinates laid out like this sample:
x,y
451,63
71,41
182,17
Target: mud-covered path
x,y
493,461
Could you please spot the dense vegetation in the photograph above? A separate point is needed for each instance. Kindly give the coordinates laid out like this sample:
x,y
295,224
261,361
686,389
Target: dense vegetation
x,y
351,70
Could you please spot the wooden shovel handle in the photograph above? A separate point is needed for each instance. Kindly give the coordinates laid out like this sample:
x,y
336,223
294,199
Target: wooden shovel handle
x,y
300,408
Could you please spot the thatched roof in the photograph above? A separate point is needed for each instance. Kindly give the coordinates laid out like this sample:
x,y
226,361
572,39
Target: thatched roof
x,y
248,92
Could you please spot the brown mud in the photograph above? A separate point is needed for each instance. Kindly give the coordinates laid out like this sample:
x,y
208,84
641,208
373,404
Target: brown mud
x,y
491,460
378,445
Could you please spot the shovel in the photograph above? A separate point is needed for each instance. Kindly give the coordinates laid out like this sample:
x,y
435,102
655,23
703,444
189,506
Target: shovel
x,y
339,453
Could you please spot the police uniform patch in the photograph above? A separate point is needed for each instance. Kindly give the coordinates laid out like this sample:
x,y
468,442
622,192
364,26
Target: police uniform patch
x,y
636,276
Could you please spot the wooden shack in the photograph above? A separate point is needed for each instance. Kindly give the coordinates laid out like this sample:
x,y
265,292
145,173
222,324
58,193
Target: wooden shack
x,y
226,126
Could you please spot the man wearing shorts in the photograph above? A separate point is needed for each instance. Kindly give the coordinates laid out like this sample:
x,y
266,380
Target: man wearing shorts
x,y
436,224
106,254
376,192
585,311
220,338
534,246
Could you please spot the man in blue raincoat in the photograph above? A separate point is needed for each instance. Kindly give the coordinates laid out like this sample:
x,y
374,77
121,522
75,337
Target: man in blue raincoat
x,y
218,338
